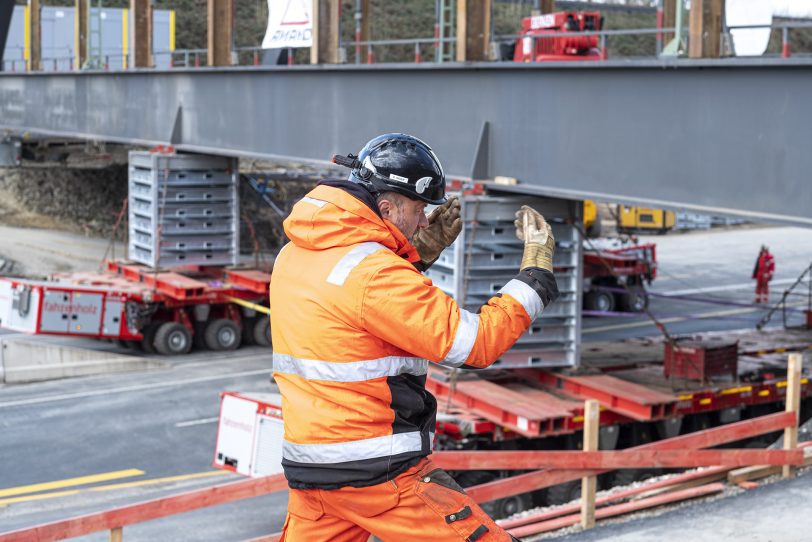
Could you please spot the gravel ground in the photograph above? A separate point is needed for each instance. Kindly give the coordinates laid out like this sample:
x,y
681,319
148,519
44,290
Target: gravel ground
x,y
776,511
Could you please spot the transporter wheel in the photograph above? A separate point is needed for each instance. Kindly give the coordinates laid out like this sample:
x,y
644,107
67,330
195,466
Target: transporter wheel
x,y
598,300
262,331
222,334
248,331
564,493
173,339
636,301
148,342
500,508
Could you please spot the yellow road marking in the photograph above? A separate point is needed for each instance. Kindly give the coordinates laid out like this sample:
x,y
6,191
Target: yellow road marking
x,y
41,496
68,482
161,480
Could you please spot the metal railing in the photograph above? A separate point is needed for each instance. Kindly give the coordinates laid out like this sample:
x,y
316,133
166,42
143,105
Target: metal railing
x,y
423,48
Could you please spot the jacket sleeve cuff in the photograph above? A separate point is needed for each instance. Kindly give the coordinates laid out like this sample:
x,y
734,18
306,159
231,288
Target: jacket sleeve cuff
x,y
541,282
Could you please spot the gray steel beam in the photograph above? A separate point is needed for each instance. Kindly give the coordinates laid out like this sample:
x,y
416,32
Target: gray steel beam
x,y
731,136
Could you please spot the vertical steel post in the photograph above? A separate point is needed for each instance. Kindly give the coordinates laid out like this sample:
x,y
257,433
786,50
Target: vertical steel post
x,y
785,49
358,16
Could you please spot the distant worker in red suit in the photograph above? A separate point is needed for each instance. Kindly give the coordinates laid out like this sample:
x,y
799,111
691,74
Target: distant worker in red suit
x,y
763,273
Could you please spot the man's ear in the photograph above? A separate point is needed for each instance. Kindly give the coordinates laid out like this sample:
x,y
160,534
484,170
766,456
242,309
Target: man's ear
x,y
385,207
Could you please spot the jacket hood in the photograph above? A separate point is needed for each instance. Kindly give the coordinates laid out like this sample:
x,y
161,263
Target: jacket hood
x,y
330,216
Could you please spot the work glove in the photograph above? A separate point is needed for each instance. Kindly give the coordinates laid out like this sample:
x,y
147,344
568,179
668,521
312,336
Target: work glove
x,y
539,243
445,224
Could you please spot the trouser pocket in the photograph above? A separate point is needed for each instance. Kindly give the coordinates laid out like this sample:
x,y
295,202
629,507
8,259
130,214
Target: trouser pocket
x,y
446,498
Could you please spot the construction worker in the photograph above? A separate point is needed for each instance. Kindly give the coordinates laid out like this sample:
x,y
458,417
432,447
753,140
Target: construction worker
x,y
763,273
354,327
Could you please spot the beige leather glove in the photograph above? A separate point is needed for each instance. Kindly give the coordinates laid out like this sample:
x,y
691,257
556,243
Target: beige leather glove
x,y
445,224
539,243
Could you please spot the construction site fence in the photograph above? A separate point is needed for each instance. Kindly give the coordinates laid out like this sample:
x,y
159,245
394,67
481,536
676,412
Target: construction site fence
x,y
547,468
419,50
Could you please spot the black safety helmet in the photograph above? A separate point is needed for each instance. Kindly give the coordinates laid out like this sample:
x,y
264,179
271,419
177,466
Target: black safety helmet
x,y
399,163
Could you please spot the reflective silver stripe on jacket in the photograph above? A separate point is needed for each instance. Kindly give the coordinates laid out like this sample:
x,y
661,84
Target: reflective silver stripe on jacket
x,y
355,450
525,295
314,201
350,260
463,340
349,371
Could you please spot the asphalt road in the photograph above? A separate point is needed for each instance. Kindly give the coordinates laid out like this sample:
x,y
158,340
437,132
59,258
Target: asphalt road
x,y
148,434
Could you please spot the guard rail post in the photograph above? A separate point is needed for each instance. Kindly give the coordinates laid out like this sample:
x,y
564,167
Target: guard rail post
x,y
589,484
370,55
417,52
602,44
793,405
785,49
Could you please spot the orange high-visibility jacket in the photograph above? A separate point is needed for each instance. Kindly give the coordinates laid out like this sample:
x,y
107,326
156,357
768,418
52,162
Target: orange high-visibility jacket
x,y
354,326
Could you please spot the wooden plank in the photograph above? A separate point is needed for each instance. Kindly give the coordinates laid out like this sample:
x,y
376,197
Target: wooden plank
x,y
704,476
757,472
523,483
589,484
794,366
148,510
473,30
619,509
626,459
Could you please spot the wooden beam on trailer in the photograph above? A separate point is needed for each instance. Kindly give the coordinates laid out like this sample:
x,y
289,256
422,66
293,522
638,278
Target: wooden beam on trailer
x,y
219,36
34,35
627,398
473,30
80,34
705,29
324,49
701,439
625,459
141,35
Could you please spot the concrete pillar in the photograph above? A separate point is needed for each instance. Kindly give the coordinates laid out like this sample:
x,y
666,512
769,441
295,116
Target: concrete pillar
x,y
220,23
80,34
325,32
141,13
705,32
473,30
34,35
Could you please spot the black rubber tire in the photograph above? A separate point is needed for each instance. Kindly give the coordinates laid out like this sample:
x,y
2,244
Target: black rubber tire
x,y
564,493
248,331
625,477
222,334
262,331
598,300
635,302
148,342
173,339
500,508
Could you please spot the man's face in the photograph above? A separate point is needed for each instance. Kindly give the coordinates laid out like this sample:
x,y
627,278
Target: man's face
x,y
405,213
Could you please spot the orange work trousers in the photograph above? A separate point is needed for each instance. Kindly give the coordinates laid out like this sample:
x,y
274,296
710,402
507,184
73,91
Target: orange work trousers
x,y
423,503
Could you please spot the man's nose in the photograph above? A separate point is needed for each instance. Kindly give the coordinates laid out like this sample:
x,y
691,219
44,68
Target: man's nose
x,y
423,222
